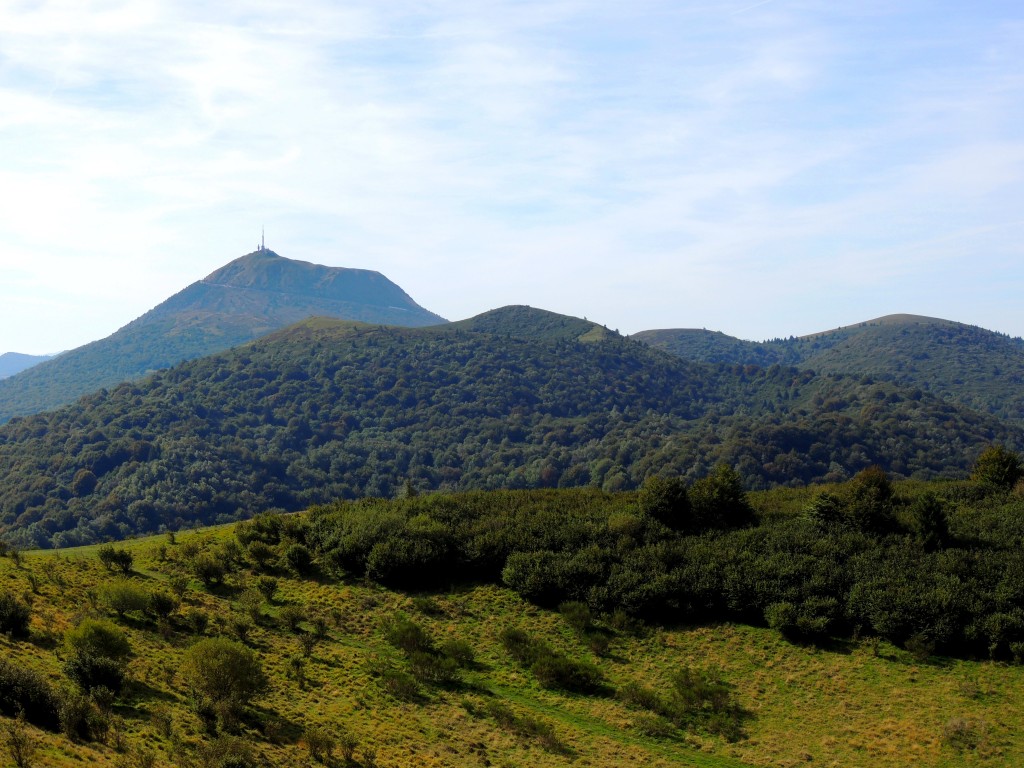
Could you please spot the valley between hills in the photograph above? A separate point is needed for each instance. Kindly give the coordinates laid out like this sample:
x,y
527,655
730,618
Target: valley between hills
x,y
291,517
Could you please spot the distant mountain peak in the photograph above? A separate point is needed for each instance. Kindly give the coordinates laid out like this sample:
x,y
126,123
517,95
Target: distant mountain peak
x,y
16,362
265,270
895,319
248,297
521,321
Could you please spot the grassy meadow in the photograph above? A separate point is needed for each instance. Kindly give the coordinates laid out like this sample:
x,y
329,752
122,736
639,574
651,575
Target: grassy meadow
x,y
339,692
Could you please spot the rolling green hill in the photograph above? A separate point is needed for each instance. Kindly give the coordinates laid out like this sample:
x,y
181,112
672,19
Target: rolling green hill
x,y
964,364
245,299
332,409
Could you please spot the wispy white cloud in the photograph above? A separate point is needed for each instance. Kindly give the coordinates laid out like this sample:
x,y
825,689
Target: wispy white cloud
x,y
758,168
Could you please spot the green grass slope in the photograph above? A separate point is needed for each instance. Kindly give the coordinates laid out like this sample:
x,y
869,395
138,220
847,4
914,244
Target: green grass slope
x,y
341,691
245,299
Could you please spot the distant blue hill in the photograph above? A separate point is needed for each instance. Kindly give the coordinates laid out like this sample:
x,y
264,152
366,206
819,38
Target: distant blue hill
x,y
15,362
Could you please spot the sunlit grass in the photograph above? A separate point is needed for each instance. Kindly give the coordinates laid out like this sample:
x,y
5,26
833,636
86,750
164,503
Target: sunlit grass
x,y
860,703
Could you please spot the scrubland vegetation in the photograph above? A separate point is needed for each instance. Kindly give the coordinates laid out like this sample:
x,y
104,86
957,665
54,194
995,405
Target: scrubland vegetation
x,y
867,623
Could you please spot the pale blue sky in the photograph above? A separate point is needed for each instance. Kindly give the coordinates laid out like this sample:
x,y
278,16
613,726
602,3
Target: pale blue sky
x,y
763,169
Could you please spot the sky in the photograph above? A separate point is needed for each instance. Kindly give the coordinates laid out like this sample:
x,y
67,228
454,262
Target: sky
x,y
764,169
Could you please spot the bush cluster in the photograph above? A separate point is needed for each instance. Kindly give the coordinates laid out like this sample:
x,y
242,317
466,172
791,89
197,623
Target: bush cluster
x,y
14,616
551,668
25,691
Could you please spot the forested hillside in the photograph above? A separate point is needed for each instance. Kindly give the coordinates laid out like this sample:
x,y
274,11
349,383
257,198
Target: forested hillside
x,y
962,363
247,298
329,409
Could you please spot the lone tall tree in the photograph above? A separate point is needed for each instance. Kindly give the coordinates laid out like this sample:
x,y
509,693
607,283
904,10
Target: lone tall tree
x,y
998,466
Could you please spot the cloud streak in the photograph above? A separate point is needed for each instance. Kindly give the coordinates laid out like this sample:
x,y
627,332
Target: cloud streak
x,y
785,168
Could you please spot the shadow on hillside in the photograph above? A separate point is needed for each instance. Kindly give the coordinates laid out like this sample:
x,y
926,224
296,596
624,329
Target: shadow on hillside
x,y
137,689
274,726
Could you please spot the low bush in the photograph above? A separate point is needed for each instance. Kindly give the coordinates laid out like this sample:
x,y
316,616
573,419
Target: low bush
x,y
524,726
91,672
14,616
320,744
227,752
459,651
292,615
551,668
98,637
24,690
408,636
114,558
124,597
399,684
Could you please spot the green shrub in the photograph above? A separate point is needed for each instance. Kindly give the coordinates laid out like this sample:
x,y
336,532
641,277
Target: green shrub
x,y
92,672
178,585
241,627
577,615
639,697
299,559
408,636
519,644
219,670
399,684
809,621
79,717
266,586
209,569
825,510
292,615
162,603
426,604
22,689
228,752
998,468
20,744
459,651
123,597
197,620
667,501
555,670
115,559
14,616
250,603
99,638
551,668
320,744
870,506
654,726
929,522
719,501
524,726
261,554
433,669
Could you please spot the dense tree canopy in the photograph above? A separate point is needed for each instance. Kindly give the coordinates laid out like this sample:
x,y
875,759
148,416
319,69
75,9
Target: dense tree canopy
x,y
937,565
332,410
